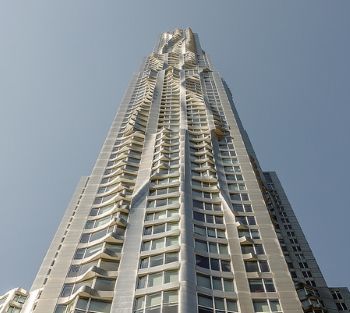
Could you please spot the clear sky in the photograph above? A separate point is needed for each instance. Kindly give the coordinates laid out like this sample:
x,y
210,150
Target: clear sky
x,y
64,66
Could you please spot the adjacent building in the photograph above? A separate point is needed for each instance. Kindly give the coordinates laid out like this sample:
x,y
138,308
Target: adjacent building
x,y
13,300
177,215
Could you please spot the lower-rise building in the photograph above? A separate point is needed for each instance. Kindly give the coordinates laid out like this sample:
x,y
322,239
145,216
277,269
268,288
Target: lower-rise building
x,y
13,300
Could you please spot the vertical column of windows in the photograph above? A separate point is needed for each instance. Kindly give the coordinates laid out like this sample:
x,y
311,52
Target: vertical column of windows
x,y
297,263
252,249
158,282
292,246
213,266
95,264
173,59
339,300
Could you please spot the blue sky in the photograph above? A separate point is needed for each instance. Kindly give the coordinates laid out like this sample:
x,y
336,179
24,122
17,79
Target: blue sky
x,y
64,66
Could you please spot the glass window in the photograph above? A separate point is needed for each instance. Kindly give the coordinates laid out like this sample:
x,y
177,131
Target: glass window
x,y
261,306
201,246
269,286
82,304
211,232
219,220
256,249
172,226
147,231
67,290
264,266
225,266
161,202
99,306
244,197
261,285
170,276
219,303
142,282
157,243
203,281
19,298
153,300
223,249
228,285
171,257
198,216
200,230
205,301
76,270
160,215
109,265
202,261
197,204
156,260
92,250
155,279
79,254
60,308
251,266
170,297
217,285
210,218
231,305
220,233
170,241
104,284
172,213
256,285
115,248
215,264
213,247
139,303
251,233
158,229
275,306
144,263
251,220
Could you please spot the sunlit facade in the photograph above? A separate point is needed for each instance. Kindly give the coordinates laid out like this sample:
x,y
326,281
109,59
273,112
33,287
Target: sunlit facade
x,y
13,300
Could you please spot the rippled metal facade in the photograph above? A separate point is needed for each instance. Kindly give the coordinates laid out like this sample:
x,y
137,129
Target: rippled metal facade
x,y
177,215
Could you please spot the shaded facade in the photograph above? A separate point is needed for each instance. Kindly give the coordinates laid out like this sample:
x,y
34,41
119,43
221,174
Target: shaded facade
x,y
177,215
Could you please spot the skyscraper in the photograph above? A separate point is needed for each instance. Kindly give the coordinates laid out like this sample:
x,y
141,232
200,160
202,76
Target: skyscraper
x,y
177,215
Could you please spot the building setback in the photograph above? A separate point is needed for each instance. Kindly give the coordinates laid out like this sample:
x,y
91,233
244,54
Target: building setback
x,y
177,215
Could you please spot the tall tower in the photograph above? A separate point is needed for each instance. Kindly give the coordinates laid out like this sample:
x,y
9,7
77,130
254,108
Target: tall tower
x,y
177,215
